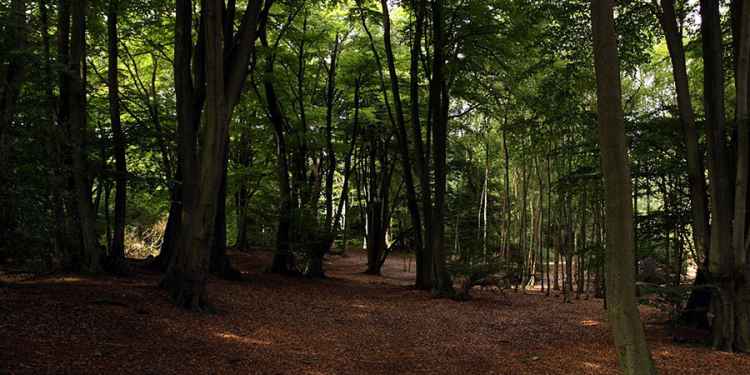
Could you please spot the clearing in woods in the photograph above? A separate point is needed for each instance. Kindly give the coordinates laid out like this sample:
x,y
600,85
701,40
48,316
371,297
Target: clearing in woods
x,y
350,323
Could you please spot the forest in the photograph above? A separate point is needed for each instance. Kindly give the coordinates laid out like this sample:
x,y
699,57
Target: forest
x,y
375,187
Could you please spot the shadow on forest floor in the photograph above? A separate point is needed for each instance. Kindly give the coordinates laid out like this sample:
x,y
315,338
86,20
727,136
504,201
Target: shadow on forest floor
x,y
350,323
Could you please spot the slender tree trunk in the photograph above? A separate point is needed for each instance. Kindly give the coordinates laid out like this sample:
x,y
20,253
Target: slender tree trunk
x,y
556,281
331,171
53,138
568,249
117,247
242,200
698,197
549,227
171,231
220,263
72,231
401,135
506,166
344,197
622,310
696,176
283,259
423,250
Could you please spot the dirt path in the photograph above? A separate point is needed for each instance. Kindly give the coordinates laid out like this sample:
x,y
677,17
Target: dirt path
x,y
348,324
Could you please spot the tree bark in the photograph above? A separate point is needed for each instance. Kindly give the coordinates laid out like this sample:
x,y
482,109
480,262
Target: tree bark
x,y
283,259
188,273
442,284
696,176
741,268
117,247
721,253
401,135
628,333
220,263
91,260
423,250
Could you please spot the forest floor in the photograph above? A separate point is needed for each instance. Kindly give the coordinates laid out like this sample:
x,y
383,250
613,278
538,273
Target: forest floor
x,y
349,323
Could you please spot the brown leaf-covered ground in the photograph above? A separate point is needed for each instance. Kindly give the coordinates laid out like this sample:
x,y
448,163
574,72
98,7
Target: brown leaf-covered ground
x,y
349,323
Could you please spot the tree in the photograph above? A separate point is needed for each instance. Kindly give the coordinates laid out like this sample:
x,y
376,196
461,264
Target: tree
x,y
117,247
699,202
76,70
221,66
11,80
439,101
622,308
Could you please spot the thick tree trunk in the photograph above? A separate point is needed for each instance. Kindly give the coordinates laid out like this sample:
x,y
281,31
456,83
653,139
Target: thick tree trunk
x,y
624,317
741,267
188,272
442,284
91,261
722,254
117,247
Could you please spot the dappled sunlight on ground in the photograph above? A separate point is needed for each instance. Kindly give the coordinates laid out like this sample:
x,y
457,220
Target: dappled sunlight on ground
x,y
348,323
590,323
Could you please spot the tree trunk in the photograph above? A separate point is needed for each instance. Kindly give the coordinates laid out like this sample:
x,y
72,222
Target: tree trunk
x,y
506,166
117,247
423,250
171,231
741,267
628,333
581,251
241,197
721,253
91,261
220,263
188,272
698,198
330,98
549,228
283,259
442,284
52,139
401,135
